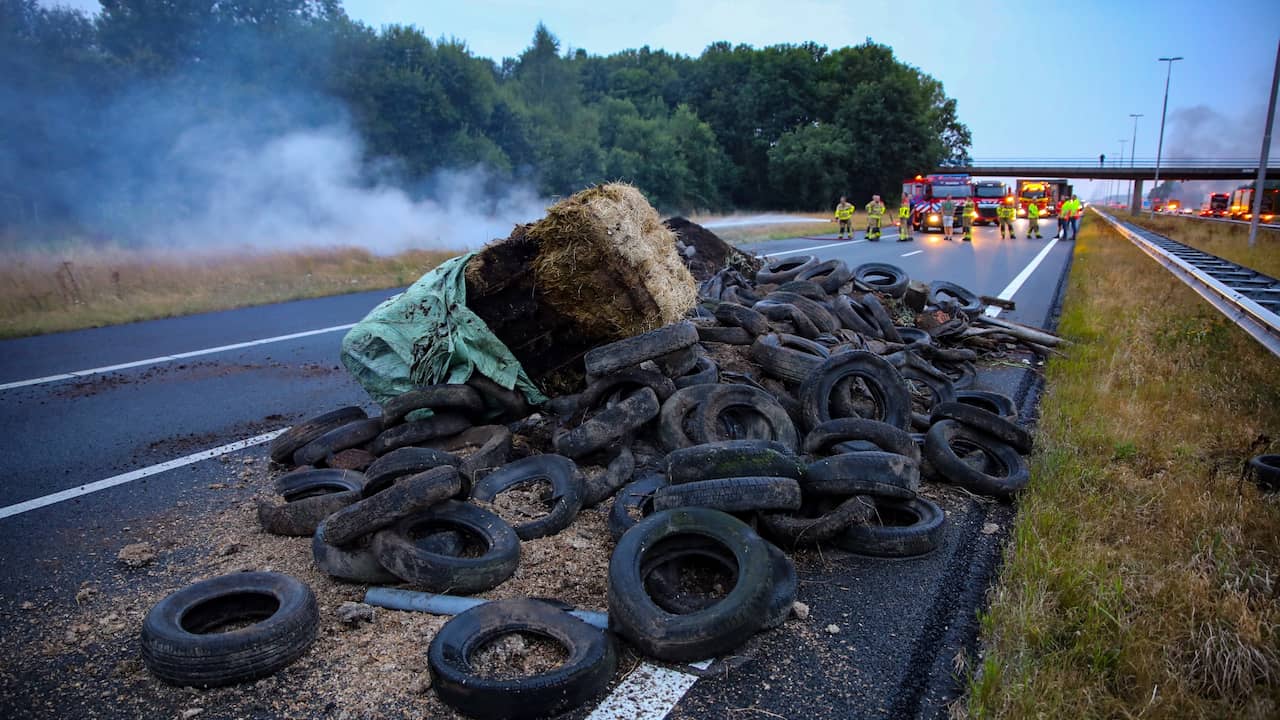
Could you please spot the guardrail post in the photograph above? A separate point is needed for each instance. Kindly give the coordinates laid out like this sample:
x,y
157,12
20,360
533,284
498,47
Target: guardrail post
x,y
1135,205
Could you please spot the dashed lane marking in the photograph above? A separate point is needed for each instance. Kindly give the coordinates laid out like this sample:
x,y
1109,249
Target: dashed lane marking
x,y
914,252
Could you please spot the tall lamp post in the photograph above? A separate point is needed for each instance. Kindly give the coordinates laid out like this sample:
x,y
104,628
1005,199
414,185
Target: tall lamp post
x,y
1133,148
1160,145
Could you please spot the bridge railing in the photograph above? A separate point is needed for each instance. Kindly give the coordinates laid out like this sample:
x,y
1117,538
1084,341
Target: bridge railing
x,y
1115,162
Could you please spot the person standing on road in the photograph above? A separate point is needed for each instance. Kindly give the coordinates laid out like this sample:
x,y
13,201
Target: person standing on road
x,y
966,219
875,215
948,217
1005,214
844,216
904,219
1033,220
1077,208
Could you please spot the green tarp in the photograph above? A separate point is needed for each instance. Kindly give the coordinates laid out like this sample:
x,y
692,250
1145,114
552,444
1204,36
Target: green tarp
x,y
426,335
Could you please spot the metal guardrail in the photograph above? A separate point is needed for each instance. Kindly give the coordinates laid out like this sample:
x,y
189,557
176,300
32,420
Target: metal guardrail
x,y
1246,297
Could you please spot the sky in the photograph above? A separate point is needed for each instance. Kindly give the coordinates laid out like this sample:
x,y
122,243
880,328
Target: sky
x,y
1059,82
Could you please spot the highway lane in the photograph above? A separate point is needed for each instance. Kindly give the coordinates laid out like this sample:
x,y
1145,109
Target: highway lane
x,y
63,434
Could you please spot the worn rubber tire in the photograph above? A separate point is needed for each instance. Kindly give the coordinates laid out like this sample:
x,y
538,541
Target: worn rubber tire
x,y
811,290
504,404
777,272
743,317
992,402
601,389
355,562
914,338
962,374
732,495
678,363
830,275
288,442
782,362
920,537
585,673
662,587
879,474
724,335
709,417
609,425
399,552
705,372
797,530
943,459
566,491
732,458
816,311
888,330
883,277
598,488
636,496
699,635
882,379
632,351
826,437
406,496
672,416
492,447
439,425
1000,428
788,313
405,461
940,291
179,649
303,481
353,434
312,496
1265,471
461,399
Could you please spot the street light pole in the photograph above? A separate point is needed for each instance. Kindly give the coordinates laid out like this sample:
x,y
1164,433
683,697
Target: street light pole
x,y
1160,145
1260,185
1133,148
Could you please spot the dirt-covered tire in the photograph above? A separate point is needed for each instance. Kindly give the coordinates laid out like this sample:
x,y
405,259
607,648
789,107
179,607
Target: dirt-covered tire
x,y
883,277
663,588
732,495
480,448
634,497
782,362
585,673
709,417
679,362
503,404
817,312
914,338
883,381
776,272
355,562
674,413
1011,473
811,290
439,425
459,398
888,330
992,402
301,482
399,551
1000,428
743,317
705,372
732,458
720,627
724,335
962,374
598,488
566,491
879,474
1265,471
406,496
917,371
608,425
830,275
825,439
180,645
405,461
796,529
353,434
288,442
941,292
600,390
310,497
788,313
634,350
849,312
901,528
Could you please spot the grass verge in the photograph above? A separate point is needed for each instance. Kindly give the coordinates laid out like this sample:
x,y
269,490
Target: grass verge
x,y
42,292
1142,575
747,234
1226,240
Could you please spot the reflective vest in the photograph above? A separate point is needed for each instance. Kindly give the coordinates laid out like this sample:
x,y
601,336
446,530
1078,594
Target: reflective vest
x,y
1033,211
1005,212
844,211
904,211
875,209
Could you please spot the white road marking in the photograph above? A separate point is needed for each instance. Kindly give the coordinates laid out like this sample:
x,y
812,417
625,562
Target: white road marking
x,y
121,479
650,692
1021,279
170,358
916,252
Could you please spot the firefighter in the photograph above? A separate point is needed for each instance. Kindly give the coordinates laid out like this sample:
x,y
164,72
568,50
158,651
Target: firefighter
x,y
1077,213
844,216
1005,214
904,219
1033,220
966,219
875,214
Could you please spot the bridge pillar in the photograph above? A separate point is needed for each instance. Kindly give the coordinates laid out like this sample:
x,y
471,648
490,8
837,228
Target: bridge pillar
x,y
1135,205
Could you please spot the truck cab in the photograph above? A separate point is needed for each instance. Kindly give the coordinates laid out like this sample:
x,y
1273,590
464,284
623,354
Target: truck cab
x,y
988,194
927,195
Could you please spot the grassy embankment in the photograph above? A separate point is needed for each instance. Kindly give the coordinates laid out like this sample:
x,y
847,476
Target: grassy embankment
x,y
42,292
1143,577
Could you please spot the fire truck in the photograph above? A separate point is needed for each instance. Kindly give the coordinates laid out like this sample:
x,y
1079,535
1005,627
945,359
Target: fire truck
x,y
1046,194
988,194
1219,205
1241,207
927,193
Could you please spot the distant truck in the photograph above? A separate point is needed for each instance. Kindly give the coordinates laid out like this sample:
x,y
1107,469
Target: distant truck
x,y
988,195
927,193
1219,205
1241,207
1046,194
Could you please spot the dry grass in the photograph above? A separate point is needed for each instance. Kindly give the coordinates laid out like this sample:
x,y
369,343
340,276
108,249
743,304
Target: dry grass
x,y
1141,580
42,292
1226,240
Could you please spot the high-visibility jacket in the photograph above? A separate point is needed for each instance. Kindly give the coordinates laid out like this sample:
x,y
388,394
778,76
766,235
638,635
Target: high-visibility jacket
x,y
875,209
844,211
904,211
1005,212
1033,211
1078,208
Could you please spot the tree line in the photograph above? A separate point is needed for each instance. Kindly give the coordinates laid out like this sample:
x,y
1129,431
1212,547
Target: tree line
x,y
784,126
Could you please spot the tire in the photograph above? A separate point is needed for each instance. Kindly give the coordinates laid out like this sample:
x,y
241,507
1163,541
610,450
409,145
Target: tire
x,y
350,459
879,474
1013,473
398,551
709,417
888,389
309,501
804,345
591,663
1265,470
632,351
888,330
675,411
566,491
883,277
406,496
353,434
503,404
179,647
788,313
776,272
1000,428
922,524
608,425
830,275
743,317
698,635
637,496
819,315
492,445
601,389
461,399
781,362
798,530
288,442
915,338
992,402
915,370
663,587
826,437
679,362
437,426
296,484
724,335
962,374
355,562
599,488
705,372
732,458
847,312
406,461
805,288
732,495
942,292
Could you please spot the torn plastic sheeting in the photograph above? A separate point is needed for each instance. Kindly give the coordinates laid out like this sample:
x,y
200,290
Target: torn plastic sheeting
x,y
427,335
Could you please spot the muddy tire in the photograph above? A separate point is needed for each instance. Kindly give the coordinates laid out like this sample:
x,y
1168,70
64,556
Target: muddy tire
x,y
793,530
830,275
486,447
816,311
788,313
402,462
992,402
1000,428
849,313
711,417
885,384
724,335
883,277
732,495
503,404
601,487
635,498
310,497
566,491
942,292
440,425
678,363
743,317
632,351
675,413
732,458
1010,474
879,474
399,550
608,425
600,390
777,272
901,528
288,442
1265,471
705,372
784,363
180,645
353,434
662,585
355,562
888,330
406,496
461,399
826,438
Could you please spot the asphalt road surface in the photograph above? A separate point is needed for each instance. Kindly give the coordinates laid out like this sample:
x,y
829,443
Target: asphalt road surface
x,y
901,623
